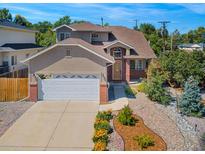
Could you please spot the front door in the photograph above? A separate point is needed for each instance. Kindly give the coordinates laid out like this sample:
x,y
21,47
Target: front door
x,y
117,70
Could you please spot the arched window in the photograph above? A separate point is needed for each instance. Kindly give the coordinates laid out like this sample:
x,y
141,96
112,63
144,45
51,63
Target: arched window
x,y
117,53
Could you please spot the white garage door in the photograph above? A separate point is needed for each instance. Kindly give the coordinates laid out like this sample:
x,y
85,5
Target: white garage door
x,y
69,89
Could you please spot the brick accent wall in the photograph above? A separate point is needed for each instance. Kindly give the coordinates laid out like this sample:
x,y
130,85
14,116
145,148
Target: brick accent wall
x,y
127,70
136,74
103,93
33,92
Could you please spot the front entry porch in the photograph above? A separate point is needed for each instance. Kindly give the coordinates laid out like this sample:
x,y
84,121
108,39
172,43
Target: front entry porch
x,y
126,70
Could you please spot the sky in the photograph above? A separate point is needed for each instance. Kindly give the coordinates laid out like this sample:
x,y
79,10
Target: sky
x,y
183,17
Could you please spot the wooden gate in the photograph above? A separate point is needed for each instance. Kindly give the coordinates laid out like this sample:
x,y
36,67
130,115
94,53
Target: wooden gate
x,y
13,89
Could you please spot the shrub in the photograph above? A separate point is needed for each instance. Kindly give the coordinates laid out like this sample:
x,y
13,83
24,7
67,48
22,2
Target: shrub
x,y
129,91
100,146
142,87
144,141
190,102
100,135
156,91
105,115
125,117
103,124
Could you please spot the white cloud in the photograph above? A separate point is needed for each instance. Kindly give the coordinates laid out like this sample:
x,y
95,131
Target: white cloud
x,y
196,8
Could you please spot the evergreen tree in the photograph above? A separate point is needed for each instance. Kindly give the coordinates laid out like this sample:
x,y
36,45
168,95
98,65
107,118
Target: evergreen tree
x,y
190,102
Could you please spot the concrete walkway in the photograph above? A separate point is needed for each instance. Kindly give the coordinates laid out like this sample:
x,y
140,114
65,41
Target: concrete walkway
x,y
53,126
120,99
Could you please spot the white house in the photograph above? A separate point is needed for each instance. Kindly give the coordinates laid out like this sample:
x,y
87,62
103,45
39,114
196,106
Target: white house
x,y
16,43
192,47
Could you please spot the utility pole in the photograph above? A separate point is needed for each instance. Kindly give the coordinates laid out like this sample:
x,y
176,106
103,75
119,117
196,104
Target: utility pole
x,y
102,21
136,26
164,27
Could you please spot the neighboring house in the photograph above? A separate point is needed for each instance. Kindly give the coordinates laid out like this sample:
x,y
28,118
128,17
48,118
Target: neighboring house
x,y
192,47
16,44
85,59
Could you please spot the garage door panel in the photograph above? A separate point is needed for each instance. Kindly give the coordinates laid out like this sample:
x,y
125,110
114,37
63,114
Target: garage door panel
x,y
69,89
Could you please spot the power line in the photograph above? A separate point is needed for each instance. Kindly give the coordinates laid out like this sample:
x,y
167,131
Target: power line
x,y
102,21
136,24
164,28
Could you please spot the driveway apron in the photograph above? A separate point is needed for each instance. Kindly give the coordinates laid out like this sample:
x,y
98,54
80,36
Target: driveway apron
x,y
53,125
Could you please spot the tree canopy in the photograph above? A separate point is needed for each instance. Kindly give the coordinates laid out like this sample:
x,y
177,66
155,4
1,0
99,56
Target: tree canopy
x,y
64,20
5,14
22,21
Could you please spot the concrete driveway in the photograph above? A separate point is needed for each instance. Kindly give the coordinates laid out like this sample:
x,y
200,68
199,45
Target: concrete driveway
x,y
53,126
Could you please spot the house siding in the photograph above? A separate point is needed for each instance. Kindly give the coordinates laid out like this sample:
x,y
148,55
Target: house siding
x,y
81,62
14,36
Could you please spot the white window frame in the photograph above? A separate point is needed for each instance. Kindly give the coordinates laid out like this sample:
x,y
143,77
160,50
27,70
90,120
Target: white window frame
x,y
65,35
139,64
119,50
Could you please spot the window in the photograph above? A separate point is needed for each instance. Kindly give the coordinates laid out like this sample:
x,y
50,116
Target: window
x,y
117,53
139,65
94,35
67,35
68,53
132,64
132,52
13,60
64,36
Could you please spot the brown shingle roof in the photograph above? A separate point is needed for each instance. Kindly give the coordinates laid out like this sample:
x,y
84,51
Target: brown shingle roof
x,y
133,38
97,49
87,26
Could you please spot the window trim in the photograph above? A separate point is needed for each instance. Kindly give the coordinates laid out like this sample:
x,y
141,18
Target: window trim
x,y
139,64
117,50
13,60
65,34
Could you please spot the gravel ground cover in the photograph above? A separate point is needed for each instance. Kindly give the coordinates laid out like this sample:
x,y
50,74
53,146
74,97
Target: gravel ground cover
x,y
10,112
115,142
158,121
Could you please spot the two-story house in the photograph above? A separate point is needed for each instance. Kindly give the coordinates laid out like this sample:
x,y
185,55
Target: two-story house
x,y
85,59
16,43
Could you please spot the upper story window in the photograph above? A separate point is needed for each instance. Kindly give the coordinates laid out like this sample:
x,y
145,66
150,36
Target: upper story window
x,y
13,60
94,36
64,36
117,53
132,52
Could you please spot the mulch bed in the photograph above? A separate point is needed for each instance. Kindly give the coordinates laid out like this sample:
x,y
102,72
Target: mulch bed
x,y
128,132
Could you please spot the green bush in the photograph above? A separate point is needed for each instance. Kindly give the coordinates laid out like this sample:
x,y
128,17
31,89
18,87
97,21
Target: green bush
x,y
156,91
190,102
103,124
129,91
142,87
104,115
125,117
144,141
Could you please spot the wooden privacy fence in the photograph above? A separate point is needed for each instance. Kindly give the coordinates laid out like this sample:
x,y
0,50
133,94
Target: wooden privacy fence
x,y
13,89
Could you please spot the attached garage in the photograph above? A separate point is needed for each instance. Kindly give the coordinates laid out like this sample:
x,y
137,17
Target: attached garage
x,y
65,87
69,70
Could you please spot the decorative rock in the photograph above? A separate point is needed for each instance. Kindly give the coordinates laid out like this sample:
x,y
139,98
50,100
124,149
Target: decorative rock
x,y
116,142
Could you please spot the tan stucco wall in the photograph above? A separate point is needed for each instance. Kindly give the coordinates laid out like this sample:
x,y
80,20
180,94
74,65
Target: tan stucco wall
x,y
55,61
102,36
86,36
13,36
